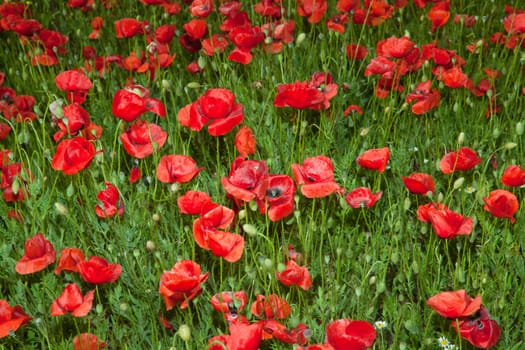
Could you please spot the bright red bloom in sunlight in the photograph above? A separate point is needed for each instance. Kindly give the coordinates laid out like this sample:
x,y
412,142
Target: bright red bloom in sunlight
x,y
181,284
395,47
419,183
134,175
73,155
69,259
295,275
514,23
346,334
130,103
97,270
177,168
373,13
72,301
374,159
323,82
243,336
362,197
316,175
448,224
514,176
455,78
299,95
141,139
245,141
271,307
38,254
74,120
455,304
312,9
87,341
425,97
337,22
247,180
501,204
11,318
464,159
229,302
129,27
201,8
75,83
109,202
356,52
195,203
227,245
479,330
279,201
439,14
217,108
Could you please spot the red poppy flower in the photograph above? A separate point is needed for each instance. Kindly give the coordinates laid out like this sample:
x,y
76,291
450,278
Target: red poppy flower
x,y
271,307
448,224
375,159
295,275
75,118
362,197
130,103
312,9
14,179
514,176
219,217
73,155
455,304
5,129
455,78
229,302
72,301
245,141
243,336
268,8
426,99
352,109
129,27
11,318
177,168
323,82
423,211
279,201
97,270
464,159
514,23
247,180
134,175
299,95
143,138
110,202
181,284
38,254
273,329
356,52
501,204
337,22
316,347
227,245
69,259
216,107
482,332
380,66
345,334
419,183
195,203
196,28
395,47
215,43
87,341
316,175
75,83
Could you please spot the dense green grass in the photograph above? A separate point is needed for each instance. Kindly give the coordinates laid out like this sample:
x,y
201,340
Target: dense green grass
x,y
370,264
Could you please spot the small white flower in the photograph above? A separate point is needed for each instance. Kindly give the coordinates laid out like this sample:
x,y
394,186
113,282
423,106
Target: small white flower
x,y
443,342
470,190
380,324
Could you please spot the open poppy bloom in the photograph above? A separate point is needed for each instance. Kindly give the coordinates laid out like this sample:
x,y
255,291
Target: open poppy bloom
x,y
245,141
97,270
273,329
247,180
177,168
479,330
243,336
110,203
514,176
464,159
295,275
76,85
69,259
270,307
313,10
72,301
229,302
455,304
181,284
11,318
73,155
38,254
87,341
217,108
143,138
75,118
356,52
130,103
425,97
362,197
316,175
423,211
227,245
374,159
501,204
129,27
419,183
345,334
299,95
279,201
195,203
448,224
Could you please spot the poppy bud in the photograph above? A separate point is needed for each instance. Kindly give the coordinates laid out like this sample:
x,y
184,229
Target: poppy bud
x,y
193,85
510,145
242,214
300,38
184,332
458,183
372,280
155,217
150,246
250,229
166,84
519,128
61,209
495,133
461,138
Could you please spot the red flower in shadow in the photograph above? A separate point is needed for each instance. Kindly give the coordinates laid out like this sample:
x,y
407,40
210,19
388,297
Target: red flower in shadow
x,y
270,307
362,197
143,138
229,302
181,284
374,159
217,108
97,270
501,204
110,203
73,155
419,183
129,27
38,254
130,103
464,159
177,168
356,52
76,85
312,9
514,176
11,318
275,329
69,259
455,304
87,341
247,180
346,334
316,175
72,301
295,275
426,99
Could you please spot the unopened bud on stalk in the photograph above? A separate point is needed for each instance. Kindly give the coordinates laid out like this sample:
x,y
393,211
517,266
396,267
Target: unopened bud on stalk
x,y
510,145
250,229
184,332
150,246
61,209
300,38
155,217
166,84
519,128
495,133
242,214
193,85
458,183
461,138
